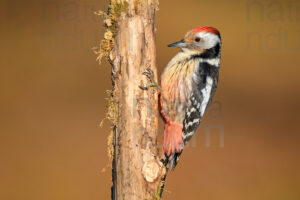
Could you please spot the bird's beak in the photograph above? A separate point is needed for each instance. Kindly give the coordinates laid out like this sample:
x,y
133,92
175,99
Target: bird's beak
x,y
180,44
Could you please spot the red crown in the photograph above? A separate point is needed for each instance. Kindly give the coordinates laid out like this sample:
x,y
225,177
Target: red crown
x,y
206,29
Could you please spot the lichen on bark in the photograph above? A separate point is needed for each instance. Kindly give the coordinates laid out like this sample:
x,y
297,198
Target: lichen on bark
x,y
110,19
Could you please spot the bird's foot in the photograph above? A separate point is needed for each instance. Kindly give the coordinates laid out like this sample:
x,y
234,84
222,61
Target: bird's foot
x,y
150,75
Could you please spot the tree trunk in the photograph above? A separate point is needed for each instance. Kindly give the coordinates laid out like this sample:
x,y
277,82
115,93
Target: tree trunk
x,y
137,171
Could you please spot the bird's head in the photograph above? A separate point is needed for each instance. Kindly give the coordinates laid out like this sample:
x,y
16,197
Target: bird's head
x,y
199,40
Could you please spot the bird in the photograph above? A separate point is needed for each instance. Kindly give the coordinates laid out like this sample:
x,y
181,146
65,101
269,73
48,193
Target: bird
x,y
188,84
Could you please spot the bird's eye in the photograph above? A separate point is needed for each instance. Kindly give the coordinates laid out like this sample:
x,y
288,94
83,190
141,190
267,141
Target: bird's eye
x,y
197,39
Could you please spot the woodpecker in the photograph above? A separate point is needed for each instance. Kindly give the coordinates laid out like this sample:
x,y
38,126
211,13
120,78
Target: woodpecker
x,y
188,85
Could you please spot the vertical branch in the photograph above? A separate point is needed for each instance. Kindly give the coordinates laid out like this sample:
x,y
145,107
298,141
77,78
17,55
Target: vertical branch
x,y
130,46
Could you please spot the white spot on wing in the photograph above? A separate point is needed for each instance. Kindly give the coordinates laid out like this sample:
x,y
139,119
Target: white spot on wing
x,y
189,112
206,92
193,122
189,134
212,61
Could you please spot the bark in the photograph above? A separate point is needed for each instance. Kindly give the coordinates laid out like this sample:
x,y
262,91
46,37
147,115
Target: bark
x,y
137,171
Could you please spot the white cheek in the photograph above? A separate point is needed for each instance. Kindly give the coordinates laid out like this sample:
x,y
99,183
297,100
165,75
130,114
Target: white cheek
x,y
209,40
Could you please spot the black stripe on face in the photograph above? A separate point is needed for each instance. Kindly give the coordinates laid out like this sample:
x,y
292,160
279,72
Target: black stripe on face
x,y
209,53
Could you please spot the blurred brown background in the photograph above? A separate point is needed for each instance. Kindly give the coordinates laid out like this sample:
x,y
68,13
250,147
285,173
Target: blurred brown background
x,y
53,99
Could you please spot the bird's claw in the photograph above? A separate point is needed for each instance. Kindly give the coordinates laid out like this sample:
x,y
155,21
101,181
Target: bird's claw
x,y
150,75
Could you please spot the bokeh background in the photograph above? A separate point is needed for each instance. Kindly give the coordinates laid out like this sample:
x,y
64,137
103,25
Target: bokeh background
x,y
53,98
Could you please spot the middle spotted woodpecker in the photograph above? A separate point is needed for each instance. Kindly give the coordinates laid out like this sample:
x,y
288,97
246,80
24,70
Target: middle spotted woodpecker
x,y
188,84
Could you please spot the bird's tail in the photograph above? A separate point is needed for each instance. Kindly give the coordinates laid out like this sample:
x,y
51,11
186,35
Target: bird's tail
x,y
170,161
173,146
